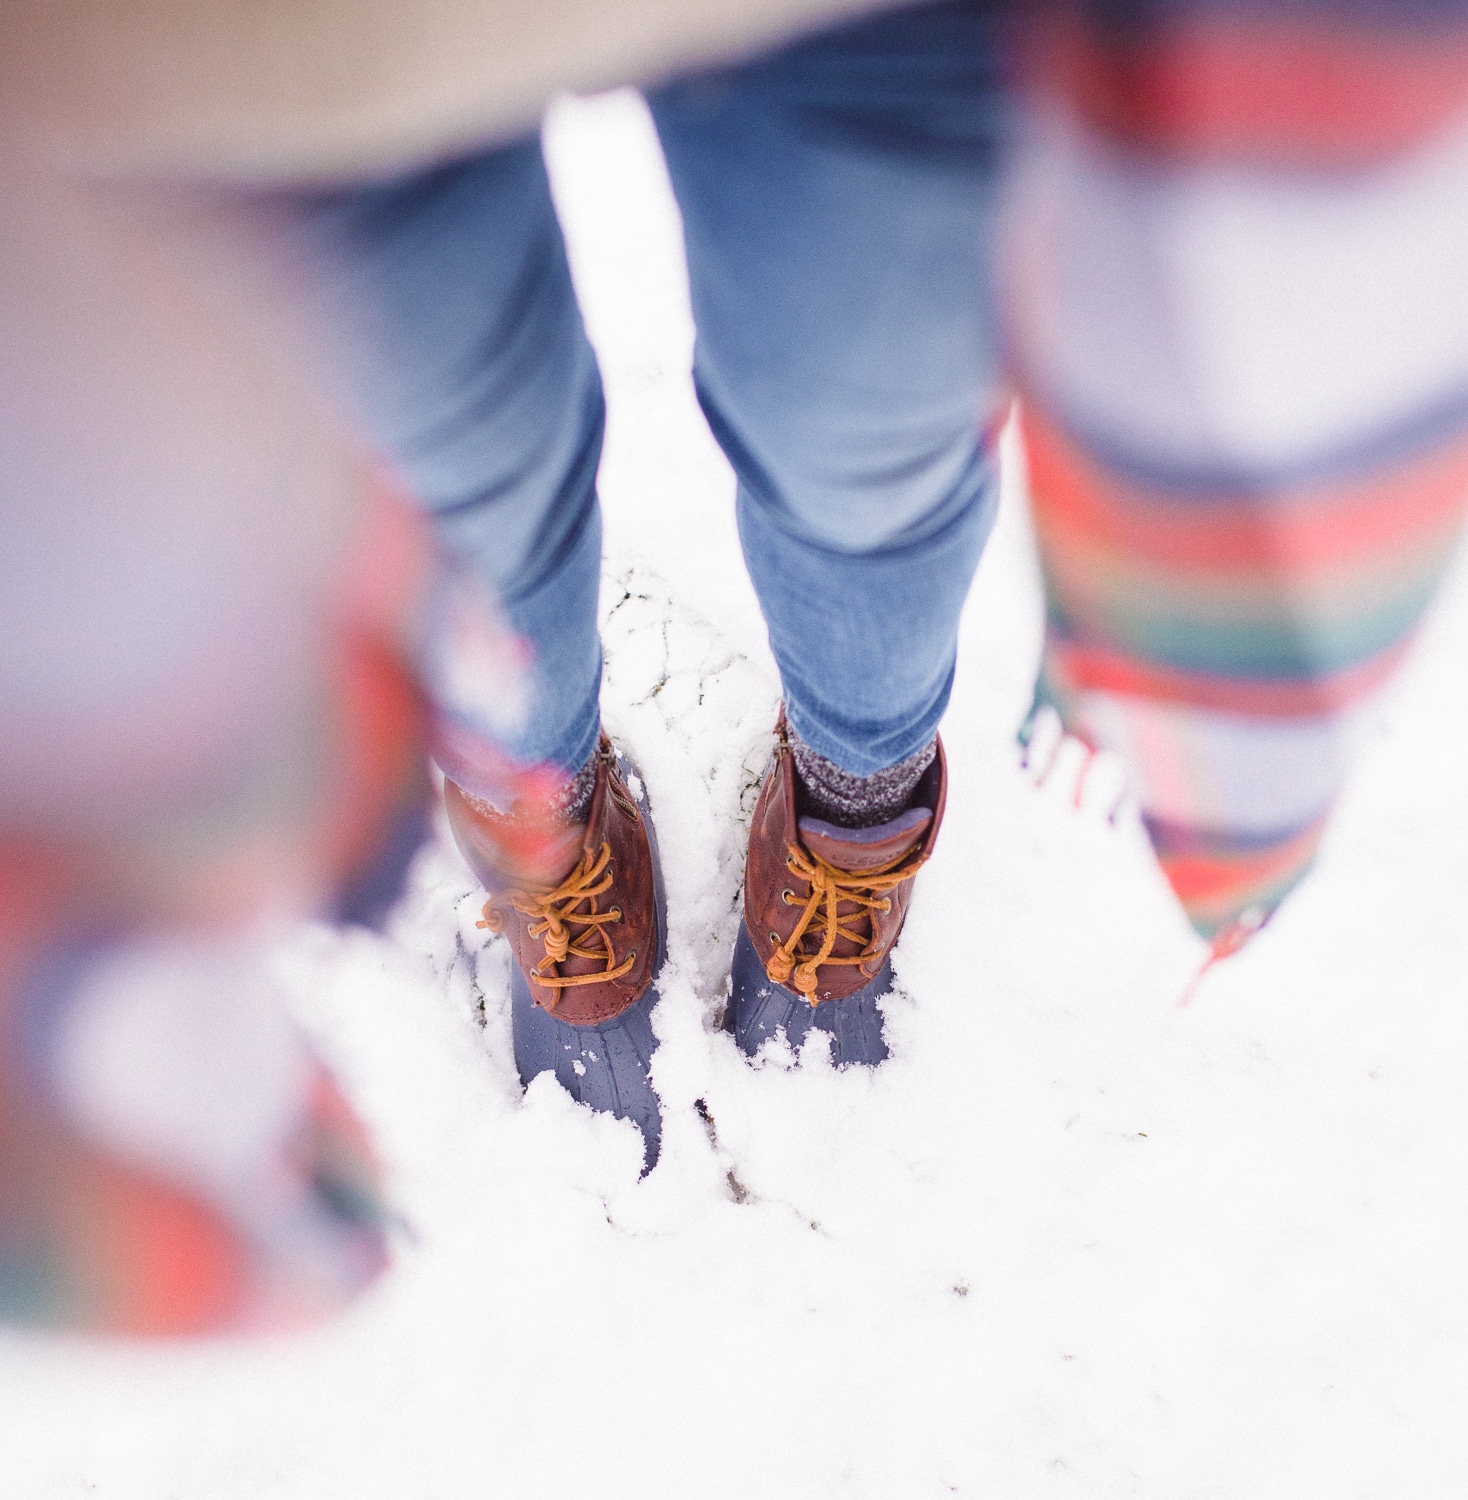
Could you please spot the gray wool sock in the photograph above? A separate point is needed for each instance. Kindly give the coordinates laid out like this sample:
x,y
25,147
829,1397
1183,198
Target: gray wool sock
x,y
858,801
573,801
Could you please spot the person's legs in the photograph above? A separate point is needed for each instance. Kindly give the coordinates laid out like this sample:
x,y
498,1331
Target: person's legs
x,y
466,357
838,204
839,201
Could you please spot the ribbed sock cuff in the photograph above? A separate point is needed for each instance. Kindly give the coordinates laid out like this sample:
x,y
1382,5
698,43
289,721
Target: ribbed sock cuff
x,y
851,801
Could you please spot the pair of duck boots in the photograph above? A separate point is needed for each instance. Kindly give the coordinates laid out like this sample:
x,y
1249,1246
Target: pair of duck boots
x,y
823,907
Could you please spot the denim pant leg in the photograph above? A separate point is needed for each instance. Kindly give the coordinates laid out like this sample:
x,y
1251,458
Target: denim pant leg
x,y
839,204
466,358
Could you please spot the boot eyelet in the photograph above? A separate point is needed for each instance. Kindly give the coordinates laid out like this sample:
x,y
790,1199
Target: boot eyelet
x,y
632,956
775,938
788,896
615,914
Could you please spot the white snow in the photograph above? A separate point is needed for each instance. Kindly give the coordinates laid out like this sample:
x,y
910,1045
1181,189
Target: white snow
x,y
1072,1241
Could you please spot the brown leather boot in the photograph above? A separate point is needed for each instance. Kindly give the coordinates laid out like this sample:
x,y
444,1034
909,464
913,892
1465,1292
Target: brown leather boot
x,y
587,942
823,907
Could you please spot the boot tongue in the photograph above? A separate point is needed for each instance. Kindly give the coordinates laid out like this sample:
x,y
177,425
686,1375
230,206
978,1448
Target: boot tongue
x,y
858,850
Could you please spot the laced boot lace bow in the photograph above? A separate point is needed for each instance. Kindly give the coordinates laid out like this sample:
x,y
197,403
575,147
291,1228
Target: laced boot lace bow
x,y
792,965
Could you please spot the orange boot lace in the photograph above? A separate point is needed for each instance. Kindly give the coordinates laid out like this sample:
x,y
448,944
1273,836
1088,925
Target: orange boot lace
x,y
794,965
553,916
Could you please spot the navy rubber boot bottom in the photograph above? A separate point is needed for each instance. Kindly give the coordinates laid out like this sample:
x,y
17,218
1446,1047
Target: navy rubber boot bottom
x,y
759,1008
606,1065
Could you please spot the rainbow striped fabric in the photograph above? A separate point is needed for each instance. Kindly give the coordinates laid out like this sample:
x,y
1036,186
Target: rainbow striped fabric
x,y
1237,292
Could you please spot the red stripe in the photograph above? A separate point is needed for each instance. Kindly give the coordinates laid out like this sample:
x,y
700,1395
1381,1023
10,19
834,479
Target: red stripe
x,y
1265,86
1396,516
1213,882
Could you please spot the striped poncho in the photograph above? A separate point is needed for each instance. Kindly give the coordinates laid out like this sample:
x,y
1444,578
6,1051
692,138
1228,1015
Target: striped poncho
x,y
1237,302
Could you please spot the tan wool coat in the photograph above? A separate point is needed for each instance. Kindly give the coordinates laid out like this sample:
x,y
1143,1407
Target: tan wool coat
x,y
291,90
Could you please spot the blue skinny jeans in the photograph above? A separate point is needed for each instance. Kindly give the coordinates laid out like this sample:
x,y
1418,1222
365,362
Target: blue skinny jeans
x,y
839,205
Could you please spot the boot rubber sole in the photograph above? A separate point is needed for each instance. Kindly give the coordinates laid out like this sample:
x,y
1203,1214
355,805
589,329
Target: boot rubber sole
x,y
759,1009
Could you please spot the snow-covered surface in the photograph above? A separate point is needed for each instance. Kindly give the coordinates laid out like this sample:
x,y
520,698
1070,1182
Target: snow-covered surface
x,y
1072,1241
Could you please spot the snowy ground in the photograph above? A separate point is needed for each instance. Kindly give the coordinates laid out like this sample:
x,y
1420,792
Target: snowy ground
x,y
1072,1241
